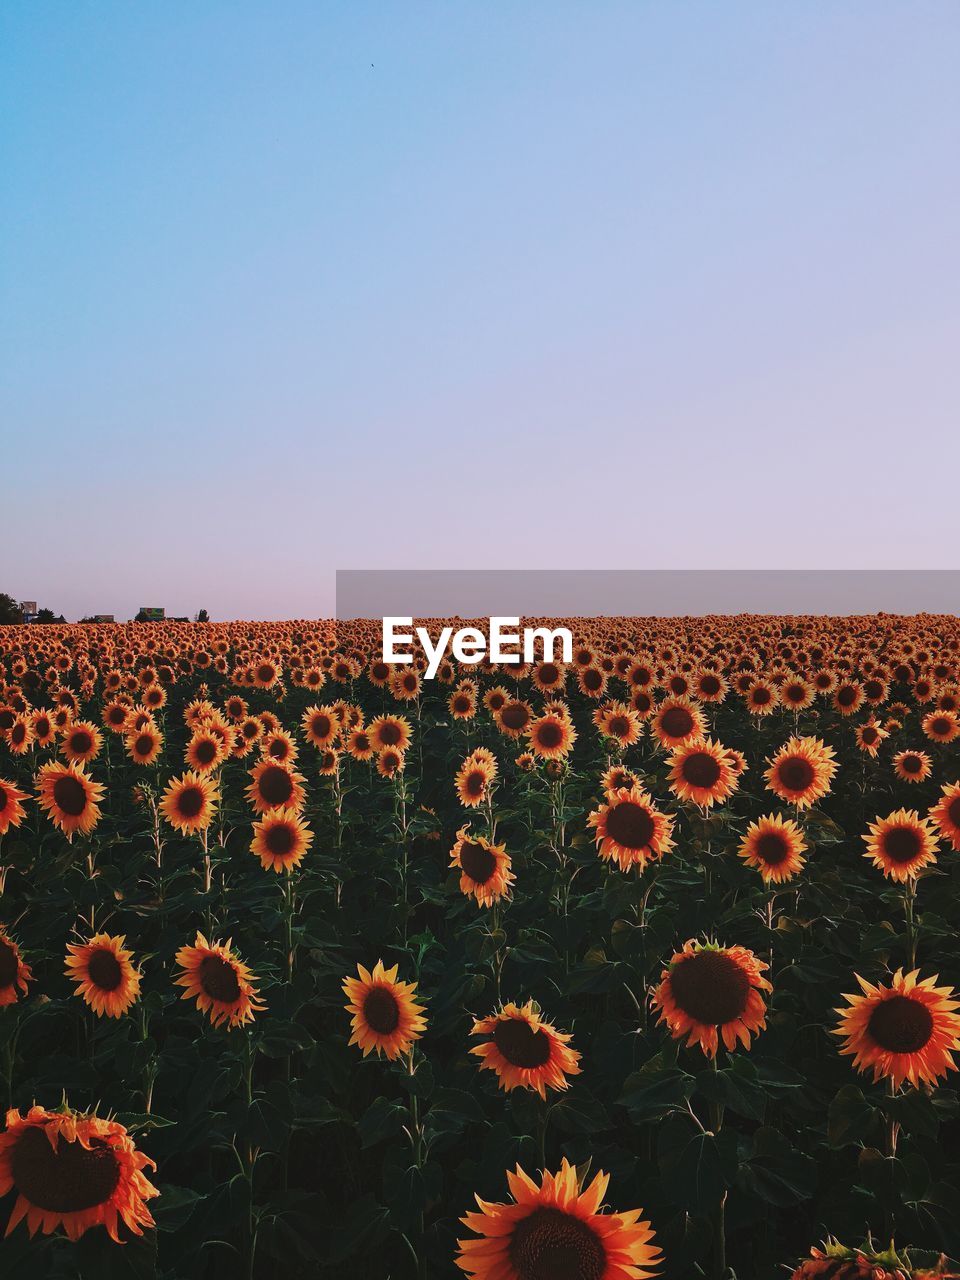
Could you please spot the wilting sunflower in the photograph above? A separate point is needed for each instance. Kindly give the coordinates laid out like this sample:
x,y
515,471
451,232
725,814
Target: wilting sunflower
x,y
946,814
15,973
551,736
555,1231
701,772
801,771
69,797
281,839
774,846
678,721
386,1015
912,766
275,786
189,802
901,844
222,985
484,868
81,742
837,1262
73,1171
708,992
103,974
525,1050
12,811
631,830
906,1031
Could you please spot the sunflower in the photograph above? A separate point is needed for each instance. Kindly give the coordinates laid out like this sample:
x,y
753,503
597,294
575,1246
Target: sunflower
x,y
222,985
775,847
475,777
616,778
551,736
205,752
678,721
358,745
389,762
390,731
701,773
912,766
906,1031
15,973
484,868
870,736
329,762
708,992
796,694
103,974
901,844
848,697
941,726
631,830
20,736
801,771
12,811
281,839
70,798
274,786
144,745
386,1015
555,1231
513,717
81,742
618,721
462,702
320,726
761,697
524,1050
189,802
279,745
44,732
73,1171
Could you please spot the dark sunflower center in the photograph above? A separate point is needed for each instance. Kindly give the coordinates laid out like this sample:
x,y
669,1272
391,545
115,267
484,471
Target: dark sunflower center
x,y
631,825
70,796
190,802
552,1245
941,725
772,848
619,726
276,786
265,673
205,751
677,722
9,967
796,774
846,696
389,734
81,741
709,685
592,678
381,1011
901,1025
550,734
104,969
67,1180
4,799
514,715
281,839
18,733
476,782
912,764
144,745
710,987
219,979
902,844
761,696
869,736
520,1044
873,689
479,863
321,726
549,674
701,770
953,811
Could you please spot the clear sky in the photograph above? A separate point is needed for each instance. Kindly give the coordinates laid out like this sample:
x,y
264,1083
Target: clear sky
x,y
301,286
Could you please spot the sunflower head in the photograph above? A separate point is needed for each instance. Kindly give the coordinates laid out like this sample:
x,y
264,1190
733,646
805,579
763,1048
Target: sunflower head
x,y
222,985
708,992
525,1050
386,1017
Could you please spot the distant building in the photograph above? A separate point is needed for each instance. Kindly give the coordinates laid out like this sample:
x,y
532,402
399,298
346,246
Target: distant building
x,y
28,609
150,615
104,617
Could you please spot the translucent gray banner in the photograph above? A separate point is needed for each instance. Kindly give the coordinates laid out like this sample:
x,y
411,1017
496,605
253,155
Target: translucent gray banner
x,y
570,593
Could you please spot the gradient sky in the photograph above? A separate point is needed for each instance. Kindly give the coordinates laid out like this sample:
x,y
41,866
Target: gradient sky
x,y
295,287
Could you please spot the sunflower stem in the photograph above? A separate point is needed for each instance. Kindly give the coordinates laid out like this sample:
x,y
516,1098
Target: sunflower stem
x,y
909,898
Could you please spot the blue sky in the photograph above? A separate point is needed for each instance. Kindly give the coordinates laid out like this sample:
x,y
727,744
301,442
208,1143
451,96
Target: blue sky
x,y
308,286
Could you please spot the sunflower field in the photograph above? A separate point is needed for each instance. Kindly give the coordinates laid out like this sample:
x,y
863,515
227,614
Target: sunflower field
x,y
643,964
